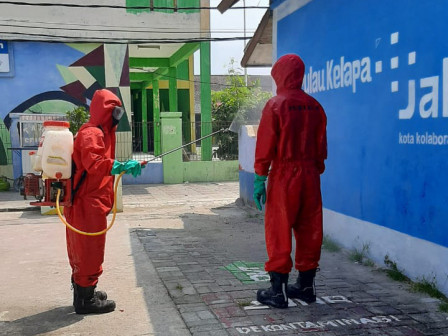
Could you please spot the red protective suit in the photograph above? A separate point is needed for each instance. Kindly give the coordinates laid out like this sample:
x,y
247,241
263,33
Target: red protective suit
x,y
94,152
291,140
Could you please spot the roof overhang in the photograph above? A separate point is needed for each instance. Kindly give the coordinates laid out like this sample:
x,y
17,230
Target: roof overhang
x,y
149,61
258,52
226,4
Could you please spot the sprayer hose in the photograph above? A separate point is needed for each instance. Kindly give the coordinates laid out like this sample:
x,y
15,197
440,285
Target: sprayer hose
x,y
114,210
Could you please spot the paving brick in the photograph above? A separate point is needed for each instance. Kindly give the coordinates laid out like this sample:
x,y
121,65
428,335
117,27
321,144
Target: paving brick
x,y
382,310
203,289
239,294
167,269
205,324
220,332
187,299
191,307
205,314
212,326
190,317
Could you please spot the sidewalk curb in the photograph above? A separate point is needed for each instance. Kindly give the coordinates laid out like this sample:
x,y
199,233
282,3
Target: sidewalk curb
x,y
19,209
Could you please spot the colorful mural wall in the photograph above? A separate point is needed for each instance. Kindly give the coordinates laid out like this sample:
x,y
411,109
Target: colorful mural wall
x,y
53,78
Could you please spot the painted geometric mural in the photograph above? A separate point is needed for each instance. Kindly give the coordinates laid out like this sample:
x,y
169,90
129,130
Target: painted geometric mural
x,y
82,78
103,67
56,77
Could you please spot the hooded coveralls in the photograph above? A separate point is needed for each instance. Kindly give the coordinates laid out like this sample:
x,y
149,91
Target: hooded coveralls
x,y
291,141
93,152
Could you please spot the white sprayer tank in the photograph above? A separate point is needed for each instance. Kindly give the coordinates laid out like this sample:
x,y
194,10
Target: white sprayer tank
x,y
37,160
57,149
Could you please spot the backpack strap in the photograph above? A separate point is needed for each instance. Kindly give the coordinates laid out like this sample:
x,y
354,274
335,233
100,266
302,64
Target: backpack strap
x,y
83,175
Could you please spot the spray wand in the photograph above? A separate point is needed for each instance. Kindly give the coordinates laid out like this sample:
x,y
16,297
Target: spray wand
x,y
114,208
188,144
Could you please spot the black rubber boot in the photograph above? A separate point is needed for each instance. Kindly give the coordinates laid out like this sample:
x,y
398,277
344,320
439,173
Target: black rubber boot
x,y
99,294
304,288
86,302
276,295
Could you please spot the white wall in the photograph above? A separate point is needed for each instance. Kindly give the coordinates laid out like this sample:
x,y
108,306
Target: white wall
x,y
418,258
34,22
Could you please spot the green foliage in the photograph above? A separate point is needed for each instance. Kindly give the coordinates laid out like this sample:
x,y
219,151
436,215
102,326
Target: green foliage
x,y
426,286
369,263
429,287
360,255
4,184
330,245
244,303
443,307
237,102
423,285
77,117
393,272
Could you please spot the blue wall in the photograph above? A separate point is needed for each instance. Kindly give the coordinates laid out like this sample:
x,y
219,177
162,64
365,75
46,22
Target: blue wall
x,y
152,173
387,118
35,72
246,180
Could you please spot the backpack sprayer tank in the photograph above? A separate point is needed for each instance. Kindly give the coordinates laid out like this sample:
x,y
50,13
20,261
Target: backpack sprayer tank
x,y
54,160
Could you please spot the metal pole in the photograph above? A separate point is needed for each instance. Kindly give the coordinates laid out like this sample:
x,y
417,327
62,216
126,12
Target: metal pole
x,y
245,43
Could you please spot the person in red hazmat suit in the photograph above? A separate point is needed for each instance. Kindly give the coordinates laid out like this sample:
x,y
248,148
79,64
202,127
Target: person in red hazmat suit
x,y
291,148
93,156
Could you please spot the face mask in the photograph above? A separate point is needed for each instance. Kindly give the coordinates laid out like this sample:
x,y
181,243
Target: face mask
x,y
117,113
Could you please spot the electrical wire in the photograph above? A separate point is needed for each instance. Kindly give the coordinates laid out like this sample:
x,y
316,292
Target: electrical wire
x,y
41,37
122,31
49,4
223,30
111,40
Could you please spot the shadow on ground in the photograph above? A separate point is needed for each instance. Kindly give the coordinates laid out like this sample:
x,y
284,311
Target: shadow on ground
x,y
41,323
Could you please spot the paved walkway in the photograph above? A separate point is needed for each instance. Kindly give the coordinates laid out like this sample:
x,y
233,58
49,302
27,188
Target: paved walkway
x,y
187,260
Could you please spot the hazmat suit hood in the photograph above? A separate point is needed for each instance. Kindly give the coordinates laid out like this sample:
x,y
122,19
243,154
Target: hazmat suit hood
x,y
288,73
101,107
